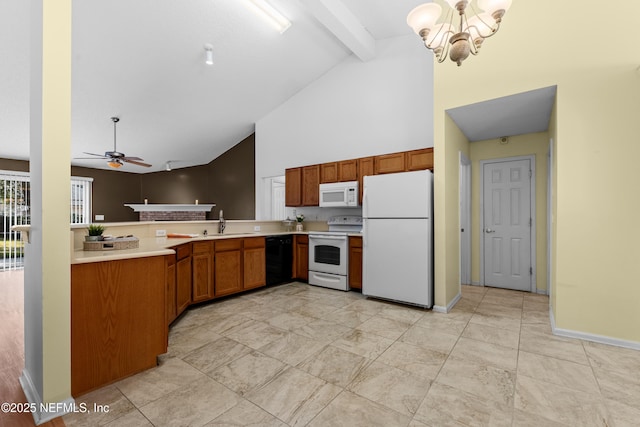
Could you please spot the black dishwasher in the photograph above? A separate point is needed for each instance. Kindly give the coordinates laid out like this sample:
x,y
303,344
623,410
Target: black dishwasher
x,y
279,259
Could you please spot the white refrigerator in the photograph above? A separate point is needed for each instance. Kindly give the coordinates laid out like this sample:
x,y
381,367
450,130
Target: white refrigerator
x,y
397,212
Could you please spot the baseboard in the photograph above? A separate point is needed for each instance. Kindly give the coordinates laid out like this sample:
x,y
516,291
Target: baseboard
x,y
441,309
542,291
44,412
601,339
475,283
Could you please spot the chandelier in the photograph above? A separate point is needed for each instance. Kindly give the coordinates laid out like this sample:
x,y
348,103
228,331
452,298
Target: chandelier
x,y
458,42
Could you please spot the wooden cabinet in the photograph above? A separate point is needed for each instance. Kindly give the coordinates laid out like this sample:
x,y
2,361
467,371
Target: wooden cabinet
x,y
301,257
202,262
311,185
365,168
390,163
293,187
348,170
228,263
355,262
420,159
118,320
254,262
183,278
172,309
329,172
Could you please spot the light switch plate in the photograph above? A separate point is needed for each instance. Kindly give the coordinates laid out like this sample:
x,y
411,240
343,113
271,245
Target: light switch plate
x,y
161,233
256,228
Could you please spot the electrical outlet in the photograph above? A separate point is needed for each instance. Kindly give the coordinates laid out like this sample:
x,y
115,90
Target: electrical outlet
x,y
161,233
99,218
256,228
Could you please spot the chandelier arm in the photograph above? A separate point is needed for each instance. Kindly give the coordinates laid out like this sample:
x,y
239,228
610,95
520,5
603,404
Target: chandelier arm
x,y
494,28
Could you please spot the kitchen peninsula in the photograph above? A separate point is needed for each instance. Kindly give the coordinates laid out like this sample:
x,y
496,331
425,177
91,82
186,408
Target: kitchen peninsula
x,y
122,301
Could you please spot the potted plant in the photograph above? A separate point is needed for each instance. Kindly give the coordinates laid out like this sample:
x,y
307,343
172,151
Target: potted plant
x,y
299,226
95,232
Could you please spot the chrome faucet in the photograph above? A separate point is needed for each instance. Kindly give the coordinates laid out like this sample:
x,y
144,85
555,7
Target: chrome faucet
x,y
222,224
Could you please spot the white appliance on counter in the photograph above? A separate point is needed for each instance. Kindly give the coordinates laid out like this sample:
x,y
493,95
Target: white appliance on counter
x,y
328,253
398,237
339,195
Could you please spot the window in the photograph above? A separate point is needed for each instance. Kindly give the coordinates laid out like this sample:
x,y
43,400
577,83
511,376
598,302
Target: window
x,y
80,200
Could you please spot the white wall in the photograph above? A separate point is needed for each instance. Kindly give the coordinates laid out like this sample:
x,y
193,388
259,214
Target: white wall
x,y
356,109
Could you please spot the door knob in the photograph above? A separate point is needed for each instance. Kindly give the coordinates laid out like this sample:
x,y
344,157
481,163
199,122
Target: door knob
x,y
488,230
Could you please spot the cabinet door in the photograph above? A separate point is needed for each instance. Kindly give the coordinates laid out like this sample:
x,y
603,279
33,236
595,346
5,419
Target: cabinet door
x,y
202,262
183,284
390,163
301,257
328,172
255,274
311,185
365,168
293,187
355,262
228,272
172,309
348,170
420,159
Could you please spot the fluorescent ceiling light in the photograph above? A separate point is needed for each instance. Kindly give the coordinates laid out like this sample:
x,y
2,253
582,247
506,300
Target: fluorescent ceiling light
x,y
281,23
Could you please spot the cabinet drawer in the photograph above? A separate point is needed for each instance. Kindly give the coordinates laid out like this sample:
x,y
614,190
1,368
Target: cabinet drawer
x,y
228,245
183,251
254,242
302,238
201,247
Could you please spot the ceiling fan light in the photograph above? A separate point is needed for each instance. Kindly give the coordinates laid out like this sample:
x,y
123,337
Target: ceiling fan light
x,y
424,17
114,163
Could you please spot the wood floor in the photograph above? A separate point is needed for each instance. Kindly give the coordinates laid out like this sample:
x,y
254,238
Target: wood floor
x,y
12,350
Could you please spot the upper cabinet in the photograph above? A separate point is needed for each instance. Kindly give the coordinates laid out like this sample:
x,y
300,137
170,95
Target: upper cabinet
x,y
303,183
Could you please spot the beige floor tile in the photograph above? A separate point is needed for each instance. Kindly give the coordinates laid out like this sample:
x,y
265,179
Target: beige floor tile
x,y
367,306
210,356
612,358
403,314
117,402
550,345
623,387
224,324
536,298
255,334
316,309
524,419
416,423
469,291
623,415
294,396
560,404
557,371
290,320
391,387
421,362
501,337
384,327
335,365
481,380
193,405
322,330
363,343
511,301
348,318
246,414
248,372
535,317
293,348
486,353
466,305
263,312
430,339
544,329
536,305
442,323
498,309
349,409
154,383
132,418
495,321
446,406
184,341
506,293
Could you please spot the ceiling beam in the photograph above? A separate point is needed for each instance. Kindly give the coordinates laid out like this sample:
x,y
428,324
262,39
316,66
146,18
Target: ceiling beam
x,y
340,21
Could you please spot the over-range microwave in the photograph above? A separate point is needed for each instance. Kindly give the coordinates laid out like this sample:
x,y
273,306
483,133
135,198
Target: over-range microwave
x,y
339,194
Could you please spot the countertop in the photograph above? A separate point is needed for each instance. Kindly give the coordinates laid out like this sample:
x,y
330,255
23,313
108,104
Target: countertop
x,y
157,246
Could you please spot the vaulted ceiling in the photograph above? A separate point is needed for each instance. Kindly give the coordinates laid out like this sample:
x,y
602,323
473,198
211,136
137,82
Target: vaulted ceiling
x,y
144,61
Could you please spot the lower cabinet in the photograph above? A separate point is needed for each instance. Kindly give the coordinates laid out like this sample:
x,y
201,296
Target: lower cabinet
x,y
202,268
254,263
301,257
183,284
228,267
355,262
172,308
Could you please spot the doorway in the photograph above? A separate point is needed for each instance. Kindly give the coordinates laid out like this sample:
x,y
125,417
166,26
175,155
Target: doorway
x,y
465,219
508,223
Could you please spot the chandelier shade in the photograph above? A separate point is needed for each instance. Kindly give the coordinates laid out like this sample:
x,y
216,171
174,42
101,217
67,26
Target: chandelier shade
x,y
461,40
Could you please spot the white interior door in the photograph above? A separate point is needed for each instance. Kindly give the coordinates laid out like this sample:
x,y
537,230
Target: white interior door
x,y
507,224
465,220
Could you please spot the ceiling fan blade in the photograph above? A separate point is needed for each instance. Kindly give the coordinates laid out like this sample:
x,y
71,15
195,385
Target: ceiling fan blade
x,y
102,156
134,162
132,158
90,158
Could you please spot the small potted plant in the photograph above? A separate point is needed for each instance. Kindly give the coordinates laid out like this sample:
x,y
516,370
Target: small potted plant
x,y
299,226
95,232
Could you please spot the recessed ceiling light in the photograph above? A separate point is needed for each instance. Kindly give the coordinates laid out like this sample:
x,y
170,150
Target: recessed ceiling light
x,y
208,54
271,14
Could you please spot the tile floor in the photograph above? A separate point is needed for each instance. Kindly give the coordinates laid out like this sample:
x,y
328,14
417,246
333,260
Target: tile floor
x,y
300,355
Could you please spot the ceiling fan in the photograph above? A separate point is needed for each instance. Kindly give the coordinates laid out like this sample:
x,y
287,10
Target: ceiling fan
x,y
116,158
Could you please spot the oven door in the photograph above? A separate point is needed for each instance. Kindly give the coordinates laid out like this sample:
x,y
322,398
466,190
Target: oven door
x,y
328,253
